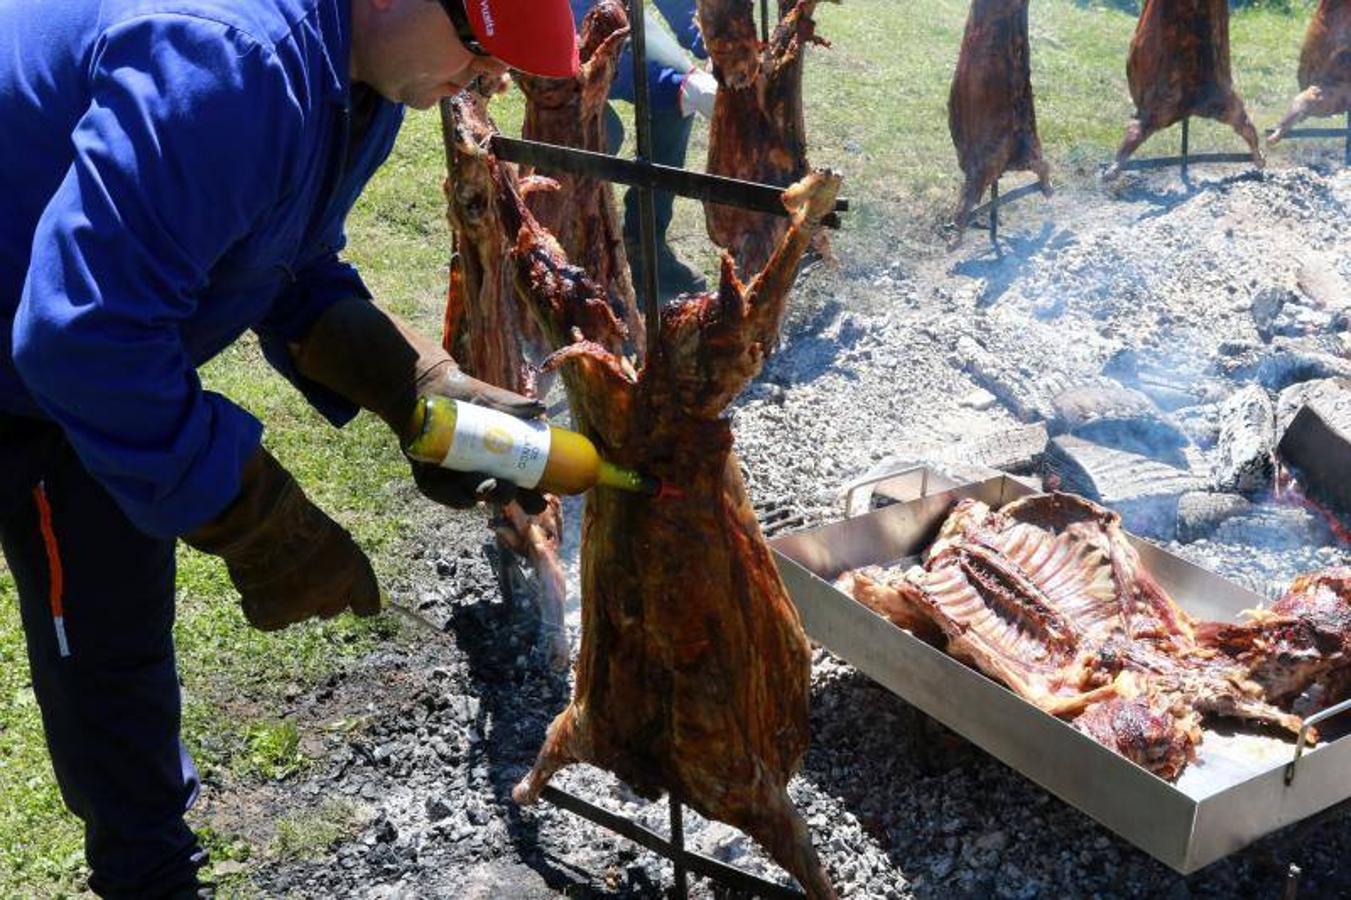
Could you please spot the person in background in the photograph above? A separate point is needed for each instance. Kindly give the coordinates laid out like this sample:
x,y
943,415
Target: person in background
x,y
678,89
175,173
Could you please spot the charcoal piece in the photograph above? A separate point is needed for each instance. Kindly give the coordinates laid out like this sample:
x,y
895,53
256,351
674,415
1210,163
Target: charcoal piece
x,y
1201,512
1029,394
1247,442
1143,490
1318,446
1267,304
1118,417
1273,528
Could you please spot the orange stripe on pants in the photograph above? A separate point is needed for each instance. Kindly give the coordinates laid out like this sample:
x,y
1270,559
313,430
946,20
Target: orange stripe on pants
x,y
55,578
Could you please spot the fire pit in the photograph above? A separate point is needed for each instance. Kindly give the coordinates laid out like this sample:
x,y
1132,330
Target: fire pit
x,y
1242,785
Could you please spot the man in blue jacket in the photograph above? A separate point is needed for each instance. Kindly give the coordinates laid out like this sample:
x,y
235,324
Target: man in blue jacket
x,y
678,88
173,173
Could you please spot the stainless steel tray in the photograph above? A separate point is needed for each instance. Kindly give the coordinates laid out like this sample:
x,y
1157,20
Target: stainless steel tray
x,y
1242,785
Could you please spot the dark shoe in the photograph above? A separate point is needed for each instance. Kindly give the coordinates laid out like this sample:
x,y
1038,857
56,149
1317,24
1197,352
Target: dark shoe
x,y
675,276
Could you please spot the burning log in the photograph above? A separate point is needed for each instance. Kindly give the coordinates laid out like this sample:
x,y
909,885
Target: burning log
x,y
694,672
1200,513
1247,445
757,132
486,332
570,112
1143,490
1318,445
1324,68
990,109
1179,67
1119,417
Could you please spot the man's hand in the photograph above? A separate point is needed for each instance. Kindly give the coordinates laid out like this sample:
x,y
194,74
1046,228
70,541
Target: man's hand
x,y
287,558
698,92
382,365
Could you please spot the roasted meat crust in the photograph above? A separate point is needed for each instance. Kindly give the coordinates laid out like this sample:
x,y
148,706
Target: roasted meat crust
x,y
757,132
1048,597
991,113
581,212
1179,67
694,672
1324,68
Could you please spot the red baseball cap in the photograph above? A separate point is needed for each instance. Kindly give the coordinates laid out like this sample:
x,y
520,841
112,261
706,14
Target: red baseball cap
x,y
535,36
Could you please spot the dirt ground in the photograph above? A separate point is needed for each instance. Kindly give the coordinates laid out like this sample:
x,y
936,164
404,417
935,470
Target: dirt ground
x,y
908,360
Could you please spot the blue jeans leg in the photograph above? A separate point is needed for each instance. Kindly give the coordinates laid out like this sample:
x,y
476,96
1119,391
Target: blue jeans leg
x,y
97,601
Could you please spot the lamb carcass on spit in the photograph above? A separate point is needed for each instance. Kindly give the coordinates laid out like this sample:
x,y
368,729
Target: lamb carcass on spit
x,y
1179,67
757,132
570,112
1324,68
990,109
694,672
1048,597
488,333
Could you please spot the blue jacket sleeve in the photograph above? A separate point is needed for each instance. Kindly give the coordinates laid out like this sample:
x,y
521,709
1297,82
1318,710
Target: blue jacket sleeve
x,y
317,287
681,16
170,168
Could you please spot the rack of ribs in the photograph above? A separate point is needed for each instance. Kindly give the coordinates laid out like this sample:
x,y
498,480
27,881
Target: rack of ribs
x,y
757,132
570,112
694,673
1324,68
990,109
1179,67
488,333
1048,597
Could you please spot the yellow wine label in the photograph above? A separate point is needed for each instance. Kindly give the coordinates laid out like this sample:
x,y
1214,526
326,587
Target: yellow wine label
x,y
498,444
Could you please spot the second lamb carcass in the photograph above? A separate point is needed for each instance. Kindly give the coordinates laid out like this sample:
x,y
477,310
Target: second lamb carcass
x,y
1324,67
487,332
1048,597
990,109
757,132
1179,67
694,672
570,112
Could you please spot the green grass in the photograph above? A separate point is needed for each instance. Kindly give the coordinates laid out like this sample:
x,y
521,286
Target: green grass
x,y
876,109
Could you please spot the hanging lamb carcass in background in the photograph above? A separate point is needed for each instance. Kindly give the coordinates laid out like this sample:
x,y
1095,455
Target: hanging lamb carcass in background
x,y
1179,67
757,132
990,109
1324,68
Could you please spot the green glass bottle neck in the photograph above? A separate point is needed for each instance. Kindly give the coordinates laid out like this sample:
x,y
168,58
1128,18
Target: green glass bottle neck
x,y
610,475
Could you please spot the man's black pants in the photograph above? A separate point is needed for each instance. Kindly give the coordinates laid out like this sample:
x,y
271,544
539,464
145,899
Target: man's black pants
x,y
97,600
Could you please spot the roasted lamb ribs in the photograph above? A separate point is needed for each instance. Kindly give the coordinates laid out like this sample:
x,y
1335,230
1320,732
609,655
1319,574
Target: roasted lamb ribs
x,y
1179,67
1048,597
1324,67
757,132
990,109
570,112
694,672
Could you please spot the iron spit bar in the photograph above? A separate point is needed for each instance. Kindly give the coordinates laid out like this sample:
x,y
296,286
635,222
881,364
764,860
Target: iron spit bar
x,y
1308,133
673,849
695,185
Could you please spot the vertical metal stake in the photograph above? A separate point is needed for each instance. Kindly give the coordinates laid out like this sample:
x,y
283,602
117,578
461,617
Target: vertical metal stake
x,y
1348,138
682,886
764,21
1186,142
647,213
994,214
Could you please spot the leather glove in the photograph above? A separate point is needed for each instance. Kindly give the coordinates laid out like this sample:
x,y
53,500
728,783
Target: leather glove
x,y
287,558
379,363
